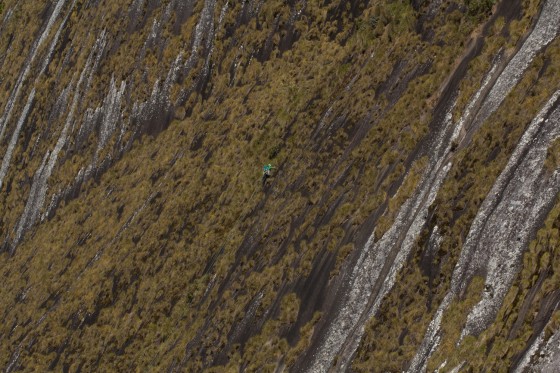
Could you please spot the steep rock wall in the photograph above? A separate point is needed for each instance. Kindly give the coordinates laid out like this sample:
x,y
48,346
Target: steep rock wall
x,y
416,152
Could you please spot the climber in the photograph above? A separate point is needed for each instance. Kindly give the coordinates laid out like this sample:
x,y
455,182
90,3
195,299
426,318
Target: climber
x,y
267,168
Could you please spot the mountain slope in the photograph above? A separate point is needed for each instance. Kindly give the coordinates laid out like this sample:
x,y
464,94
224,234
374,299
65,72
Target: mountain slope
x,y
411,222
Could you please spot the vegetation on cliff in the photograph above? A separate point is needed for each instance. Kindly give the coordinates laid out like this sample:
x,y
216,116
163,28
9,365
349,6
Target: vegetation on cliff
x,y
171,256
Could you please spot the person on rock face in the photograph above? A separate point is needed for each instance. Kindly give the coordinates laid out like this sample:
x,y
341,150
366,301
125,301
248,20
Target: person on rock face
x,y
267,168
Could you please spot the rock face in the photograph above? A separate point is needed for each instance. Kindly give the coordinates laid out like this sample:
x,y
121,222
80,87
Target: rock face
x,y
411,222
